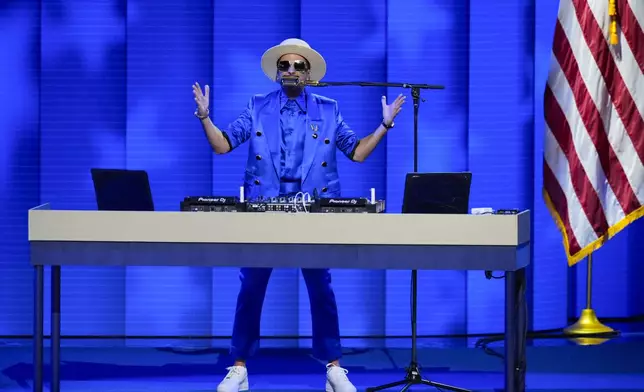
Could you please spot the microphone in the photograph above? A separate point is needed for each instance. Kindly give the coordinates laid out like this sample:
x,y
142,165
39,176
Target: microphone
x,y
290,81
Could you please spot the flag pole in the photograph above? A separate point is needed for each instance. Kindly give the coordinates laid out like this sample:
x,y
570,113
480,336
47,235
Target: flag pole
x,y
588,323
612,12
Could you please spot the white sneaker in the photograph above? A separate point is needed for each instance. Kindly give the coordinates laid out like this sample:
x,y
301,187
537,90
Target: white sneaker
x,y
235,381
337,380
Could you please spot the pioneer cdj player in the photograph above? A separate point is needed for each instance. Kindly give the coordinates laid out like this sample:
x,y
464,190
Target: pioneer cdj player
x,y
212,204
299,203
349,205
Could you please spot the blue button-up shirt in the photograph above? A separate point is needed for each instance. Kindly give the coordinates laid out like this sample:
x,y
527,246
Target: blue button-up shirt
x,y
293,130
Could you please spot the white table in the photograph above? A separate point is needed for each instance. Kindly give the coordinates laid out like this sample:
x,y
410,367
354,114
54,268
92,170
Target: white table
x,y
354,241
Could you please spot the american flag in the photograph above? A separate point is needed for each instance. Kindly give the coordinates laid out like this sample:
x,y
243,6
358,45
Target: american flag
x,y
593,172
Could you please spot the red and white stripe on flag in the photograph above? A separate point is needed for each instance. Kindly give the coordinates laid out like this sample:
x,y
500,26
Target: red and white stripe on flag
x,y
593,167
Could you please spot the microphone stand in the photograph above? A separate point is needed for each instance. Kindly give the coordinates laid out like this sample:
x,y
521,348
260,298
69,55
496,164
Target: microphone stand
x,y
413,375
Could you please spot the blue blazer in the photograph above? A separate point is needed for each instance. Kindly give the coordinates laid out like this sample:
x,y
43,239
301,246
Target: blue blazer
x,y
326,130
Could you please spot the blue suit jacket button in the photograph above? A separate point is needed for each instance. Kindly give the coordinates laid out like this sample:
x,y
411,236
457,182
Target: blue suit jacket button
x,y
315,136
323,164
258,133
256,182
327,141
258,157
325,189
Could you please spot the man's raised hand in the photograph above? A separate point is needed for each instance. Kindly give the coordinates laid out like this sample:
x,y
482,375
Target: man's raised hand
x,y
202,99
389,112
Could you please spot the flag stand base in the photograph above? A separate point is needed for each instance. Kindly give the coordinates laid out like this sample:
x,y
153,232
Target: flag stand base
x,y
588,324
588,330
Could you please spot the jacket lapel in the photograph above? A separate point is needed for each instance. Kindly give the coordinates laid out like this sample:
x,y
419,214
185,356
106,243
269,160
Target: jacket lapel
x,y
313,134
270,120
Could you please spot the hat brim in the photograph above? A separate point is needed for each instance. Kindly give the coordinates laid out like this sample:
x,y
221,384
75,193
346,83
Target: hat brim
x,y
315,59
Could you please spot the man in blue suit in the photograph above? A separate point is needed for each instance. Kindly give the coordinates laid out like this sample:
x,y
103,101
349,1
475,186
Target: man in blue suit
x,y
293,135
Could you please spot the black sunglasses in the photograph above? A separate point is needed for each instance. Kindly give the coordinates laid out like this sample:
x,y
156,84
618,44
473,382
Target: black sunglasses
x,y
298,65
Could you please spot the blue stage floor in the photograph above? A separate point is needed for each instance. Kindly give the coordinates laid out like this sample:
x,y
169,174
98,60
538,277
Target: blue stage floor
x,y
553,365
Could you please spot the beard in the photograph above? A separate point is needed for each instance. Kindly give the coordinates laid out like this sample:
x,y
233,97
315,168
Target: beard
x,y
292,91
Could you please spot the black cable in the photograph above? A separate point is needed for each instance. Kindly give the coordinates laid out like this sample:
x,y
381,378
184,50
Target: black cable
x,y
270,337
484,343
558,333
486,337
489,275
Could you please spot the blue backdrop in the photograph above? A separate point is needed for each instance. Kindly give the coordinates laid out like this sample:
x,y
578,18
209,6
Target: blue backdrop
x,y
106,83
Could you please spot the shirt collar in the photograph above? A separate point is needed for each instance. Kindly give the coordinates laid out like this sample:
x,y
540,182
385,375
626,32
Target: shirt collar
x,y
300,100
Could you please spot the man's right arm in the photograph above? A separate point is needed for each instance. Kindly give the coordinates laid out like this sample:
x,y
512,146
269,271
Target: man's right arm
x,y
237,133
215,137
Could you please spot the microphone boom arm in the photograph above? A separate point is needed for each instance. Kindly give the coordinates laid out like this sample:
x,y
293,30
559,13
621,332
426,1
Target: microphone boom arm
x,y
315,83
415,95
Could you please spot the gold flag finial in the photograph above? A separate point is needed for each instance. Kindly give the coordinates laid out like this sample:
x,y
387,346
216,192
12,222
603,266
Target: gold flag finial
x,y
612,11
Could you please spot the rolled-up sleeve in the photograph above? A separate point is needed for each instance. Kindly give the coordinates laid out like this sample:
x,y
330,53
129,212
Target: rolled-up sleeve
x,y
238,131
345,139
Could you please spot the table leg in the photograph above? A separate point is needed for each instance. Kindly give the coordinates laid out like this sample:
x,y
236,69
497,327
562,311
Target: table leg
x,y
39,299
55,328
522,328
514,331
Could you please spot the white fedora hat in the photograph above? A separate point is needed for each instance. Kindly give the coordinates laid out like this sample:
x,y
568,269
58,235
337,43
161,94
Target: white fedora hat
x,y
293,46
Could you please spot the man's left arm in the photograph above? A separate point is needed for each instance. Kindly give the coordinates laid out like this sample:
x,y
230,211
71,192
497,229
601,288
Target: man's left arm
x,y
359,150
367,144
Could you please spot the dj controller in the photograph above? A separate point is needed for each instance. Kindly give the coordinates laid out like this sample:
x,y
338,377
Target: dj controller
x,y
297,204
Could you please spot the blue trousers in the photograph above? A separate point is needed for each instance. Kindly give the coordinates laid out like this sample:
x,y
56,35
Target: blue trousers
x,y
324,313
